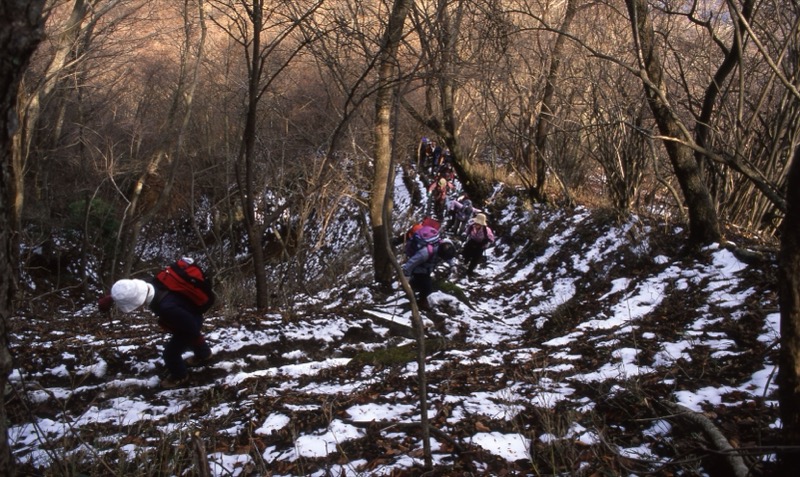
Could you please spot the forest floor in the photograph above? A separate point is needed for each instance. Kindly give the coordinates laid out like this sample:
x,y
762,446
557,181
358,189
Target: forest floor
x,y
584,346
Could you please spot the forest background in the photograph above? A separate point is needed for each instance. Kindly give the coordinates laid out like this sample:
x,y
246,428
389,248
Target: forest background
x,y
246,124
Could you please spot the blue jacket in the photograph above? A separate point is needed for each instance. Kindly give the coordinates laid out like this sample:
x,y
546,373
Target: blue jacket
x,y
420,262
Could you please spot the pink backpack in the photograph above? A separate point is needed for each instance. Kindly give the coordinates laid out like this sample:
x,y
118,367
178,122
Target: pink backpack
x,y
425,236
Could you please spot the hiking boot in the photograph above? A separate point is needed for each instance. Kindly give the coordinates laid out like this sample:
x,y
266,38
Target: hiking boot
x,y
195,362
172,383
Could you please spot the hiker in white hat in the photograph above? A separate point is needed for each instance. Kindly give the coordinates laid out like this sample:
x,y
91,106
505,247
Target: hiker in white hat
x,y
129,295
176,314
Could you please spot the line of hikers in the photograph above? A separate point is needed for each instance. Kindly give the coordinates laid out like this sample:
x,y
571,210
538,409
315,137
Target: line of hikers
x,y
180,294
428,244
430,156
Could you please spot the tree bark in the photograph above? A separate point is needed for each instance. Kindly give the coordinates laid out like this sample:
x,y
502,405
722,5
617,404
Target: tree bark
x,y
380,200
21,30
738,468
789,296
247,153
65,43
259,19
703,221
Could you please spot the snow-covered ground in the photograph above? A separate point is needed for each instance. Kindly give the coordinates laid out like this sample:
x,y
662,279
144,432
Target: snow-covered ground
x,y
568,320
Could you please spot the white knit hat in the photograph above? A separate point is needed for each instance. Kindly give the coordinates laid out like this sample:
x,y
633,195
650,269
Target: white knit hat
x,y
129,295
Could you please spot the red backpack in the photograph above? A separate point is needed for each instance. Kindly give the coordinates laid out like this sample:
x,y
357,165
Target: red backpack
x,y
426,222
188,279
430,222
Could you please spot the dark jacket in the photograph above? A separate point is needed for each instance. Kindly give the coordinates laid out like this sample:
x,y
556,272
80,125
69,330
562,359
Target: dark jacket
x,y
175,313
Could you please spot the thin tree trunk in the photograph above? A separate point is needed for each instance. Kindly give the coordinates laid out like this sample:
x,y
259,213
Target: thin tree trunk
x,y
257,51
245,173
732,59
170,150
381,197
64,44
545,122
381,205
380,200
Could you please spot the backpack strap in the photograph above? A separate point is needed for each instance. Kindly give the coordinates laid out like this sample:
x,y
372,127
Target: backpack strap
x,y
478,235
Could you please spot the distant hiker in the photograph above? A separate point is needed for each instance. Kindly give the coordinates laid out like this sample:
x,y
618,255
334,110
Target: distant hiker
x,y
435,159
425,250
479,237
177,314
405,238
441,158
425,154
460,213
437,193
446,171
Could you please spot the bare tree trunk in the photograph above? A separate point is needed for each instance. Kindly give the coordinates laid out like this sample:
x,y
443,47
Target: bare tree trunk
x,y
380,201
380,207
21,30
381,196
544,124
65,43
254,19
69,45
732,59
244,173
789,288
703,222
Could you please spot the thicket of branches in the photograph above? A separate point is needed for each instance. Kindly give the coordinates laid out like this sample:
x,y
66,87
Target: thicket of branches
x,y
136,110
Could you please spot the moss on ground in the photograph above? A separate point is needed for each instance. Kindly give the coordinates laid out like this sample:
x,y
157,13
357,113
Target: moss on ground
x,y
396,355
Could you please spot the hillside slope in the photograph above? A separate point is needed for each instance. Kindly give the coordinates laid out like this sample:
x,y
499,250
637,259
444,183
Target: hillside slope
x,y
567,354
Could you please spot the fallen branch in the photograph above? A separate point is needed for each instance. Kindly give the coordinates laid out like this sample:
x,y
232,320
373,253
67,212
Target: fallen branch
x,y
711,431
439,434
